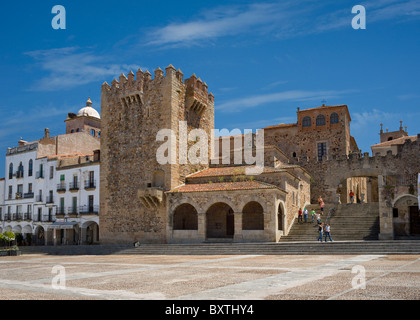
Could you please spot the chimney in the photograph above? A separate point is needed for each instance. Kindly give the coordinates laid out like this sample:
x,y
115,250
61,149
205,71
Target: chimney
x,y
46,133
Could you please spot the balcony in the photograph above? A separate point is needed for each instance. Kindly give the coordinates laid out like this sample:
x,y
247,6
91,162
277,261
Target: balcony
x,y
27,216
93,210
19,174
74,186
39,175
151,197
50,200
90,184
18,216
38,198
29,195
60,211
61,187
73,211
7,217
19,196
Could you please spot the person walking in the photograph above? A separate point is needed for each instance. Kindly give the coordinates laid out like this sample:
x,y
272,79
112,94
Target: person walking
x,y
351,194
328,232
322,205
313,215
320,230
305,215
300,215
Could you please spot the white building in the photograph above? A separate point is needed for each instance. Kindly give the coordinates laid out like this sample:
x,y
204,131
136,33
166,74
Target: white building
x,y
45,196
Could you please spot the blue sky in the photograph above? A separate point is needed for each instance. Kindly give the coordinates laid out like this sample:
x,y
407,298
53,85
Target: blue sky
x,y
261,60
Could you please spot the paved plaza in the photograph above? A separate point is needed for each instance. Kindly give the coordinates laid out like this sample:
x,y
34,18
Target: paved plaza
x,y
215,277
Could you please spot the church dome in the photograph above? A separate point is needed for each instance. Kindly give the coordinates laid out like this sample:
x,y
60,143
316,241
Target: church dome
x,y
88,111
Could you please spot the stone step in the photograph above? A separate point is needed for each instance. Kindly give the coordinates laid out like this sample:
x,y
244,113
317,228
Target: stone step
x,y
309,247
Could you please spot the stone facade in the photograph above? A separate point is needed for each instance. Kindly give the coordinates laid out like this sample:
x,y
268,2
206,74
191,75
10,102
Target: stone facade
x,y
134,109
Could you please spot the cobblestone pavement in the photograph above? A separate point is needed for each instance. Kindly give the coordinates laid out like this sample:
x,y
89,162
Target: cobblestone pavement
x,y
246,277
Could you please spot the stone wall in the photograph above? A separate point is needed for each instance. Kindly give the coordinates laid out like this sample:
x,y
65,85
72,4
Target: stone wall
x,y
133,111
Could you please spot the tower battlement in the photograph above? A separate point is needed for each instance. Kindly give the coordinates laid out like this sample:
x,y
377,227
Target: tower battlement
x,y
141,81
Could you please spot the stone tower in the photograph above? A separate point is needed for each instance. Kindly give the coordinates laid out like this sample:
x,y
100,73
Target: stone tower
x,y
133,182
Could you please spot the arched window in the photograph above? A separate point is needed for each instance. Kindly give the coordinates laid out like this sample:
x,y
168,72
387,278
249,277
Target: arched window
x,y
333,118
306,122
320,120
19,173
11,171
31,167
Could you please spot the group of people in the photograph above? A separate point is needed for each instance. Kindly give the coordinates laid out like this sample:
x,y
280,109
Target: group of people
x,y
322,229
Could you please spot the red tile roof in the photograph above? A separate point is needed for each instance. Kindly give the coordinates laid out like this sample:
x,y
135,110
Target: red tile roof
x,y
227,171
222,186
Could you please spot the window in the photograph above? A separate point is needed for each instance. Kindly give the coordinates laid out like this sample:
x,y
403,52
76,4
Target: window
x,y
31,167
322,150
320,120
90,201
30,188
11,171
19,173
92,132
10,192
99,134
306,122
51,172
333,118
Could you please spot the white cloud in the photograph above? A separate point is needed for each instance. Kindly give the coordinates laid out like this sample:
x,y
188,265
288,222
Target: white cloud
x,y
237,105
70,67
281,20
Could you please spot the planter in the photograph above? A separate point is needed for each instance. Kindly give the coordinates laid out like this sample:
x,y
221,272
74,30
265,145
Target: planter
x,y
15,252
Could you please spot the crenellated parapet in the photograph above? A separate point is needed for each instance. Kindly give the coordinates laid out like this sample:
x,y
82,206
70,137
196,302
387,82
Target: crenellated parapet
x,y
131,89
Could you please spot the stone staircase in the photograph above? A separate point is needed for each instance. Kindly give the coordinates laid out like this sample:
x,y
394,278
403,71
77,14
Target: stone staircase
x,y
358,221
267,248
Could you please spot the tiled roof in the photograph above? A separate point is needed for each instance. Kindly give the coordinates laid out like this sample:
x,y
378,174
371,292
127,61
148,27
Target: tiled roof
x,y
397,141
222,186
227,171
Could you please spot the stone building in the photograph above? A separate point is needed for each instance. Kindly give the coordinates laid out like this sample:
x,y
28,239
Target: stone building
x,y
142,199
44,198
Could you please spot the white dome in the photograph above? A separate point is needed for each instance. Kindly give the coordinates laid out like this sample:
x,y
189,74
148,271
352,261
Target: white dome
x,y
88,111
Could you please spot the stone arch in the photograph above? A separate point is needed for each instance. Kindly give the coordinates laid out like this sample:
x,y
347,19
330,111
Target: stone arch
x,y
220,221
17,229
185,217
91,235
401,197
253,198
27,229
253,216
281,214
39,235
224,200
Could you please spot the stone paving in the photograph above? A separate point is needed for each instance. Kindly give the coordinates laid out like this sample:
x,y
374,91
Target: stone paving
x,y
243,277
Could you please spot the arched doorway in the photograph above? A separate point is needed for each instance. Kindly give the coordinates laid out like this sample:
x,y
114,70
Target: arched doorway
x,y
39,238
91,235
280,217
406,216
220,221
185,217
253,216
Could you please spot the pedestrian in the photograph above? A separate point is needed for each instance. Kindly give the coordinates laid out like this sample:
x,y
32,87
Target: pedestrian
x,y
305,215
318,218
322,205
351,194
300,215
328,232
313,215
320,229
320,200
